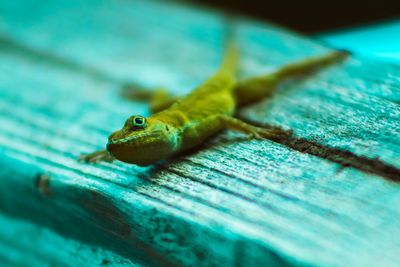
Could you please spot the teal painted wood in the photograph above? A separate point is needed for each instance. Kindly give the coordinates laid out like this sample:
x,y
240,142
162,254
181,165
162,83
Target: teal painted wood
x,y
26,244
377,40
232,203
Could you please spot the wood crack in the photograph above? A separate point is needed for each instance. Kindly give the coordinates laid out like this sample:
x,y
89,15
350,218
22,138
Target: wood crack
x,y
344,158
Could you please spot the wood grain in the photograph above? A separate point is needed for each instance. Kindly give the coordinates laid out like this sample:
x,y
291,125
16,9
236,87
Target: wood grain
x,y
234,202
18,238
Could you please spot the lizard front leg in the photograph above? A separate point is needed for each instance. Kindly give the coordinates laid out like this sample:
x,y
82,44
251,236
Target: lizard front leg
x,y
97,156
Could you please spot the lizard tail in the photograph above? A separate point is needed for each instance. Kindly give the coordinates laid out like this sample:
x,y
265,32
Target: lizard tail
x,y
230,60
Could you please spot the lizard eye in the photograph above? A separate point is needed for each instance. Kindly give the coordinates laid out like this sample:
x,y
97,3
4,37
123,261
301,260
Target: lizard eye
x,y
138,122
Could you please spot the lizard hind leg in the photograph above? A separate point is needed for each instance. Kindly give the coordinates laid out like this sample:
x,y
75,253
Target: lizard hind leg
x,y
253,89
158,99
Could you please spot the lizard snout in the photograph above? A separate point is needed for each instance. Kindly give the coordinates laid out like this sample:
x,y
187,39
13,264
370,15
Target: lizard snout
x,y
117,137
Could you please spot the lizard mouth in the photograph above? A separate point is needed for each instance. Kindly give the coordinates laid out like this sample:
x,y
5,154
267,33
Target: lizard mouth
x,y
116,141
143,149
137,138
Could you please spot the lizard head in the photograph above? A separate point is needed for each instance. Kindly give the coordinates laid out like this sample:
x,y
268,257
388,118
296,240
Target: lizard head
x,y
143,141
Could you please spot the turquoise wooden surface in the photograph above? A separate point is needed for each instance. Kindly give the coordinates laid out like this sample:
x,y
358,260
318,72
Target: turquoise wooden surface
x,y
234,202
26,244
380,39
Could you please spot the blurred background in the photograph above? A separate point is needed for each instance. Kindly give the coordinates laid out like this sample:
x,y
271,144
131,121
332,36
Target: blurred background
x,y
368,27
312,16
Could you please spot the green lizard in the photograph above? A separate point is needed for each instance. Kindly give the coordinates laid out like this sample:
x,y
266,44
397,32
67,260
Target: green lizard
x,y
180,125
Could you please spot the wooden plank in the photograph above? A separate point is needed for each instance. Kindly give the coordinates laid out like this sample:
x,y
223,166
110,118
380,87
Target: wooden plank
x,y
344,109
26,244
142,50
379,39
233,202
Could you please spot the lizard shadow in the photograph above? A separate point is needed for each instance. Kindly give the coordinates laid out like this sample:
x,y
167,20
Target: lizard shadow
x,y
157,171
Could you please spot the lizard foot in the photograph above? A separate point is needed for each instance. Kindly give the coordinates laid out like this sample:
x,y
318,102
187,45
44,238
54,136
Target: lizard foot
x,y
97,156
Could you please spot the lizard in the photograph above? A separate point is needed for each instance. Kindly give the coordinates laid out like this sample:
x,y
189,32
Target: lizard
x,y
178,125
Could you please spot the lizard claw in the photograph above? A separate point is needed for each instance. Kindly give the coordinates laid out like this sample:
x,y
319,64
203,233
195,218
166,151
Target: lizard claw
x,y
97,156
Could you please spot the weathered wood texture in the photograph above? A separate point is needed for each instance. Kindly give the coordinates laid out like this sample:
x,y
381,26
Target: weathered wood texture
x,y
26,244
234,202
380,39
